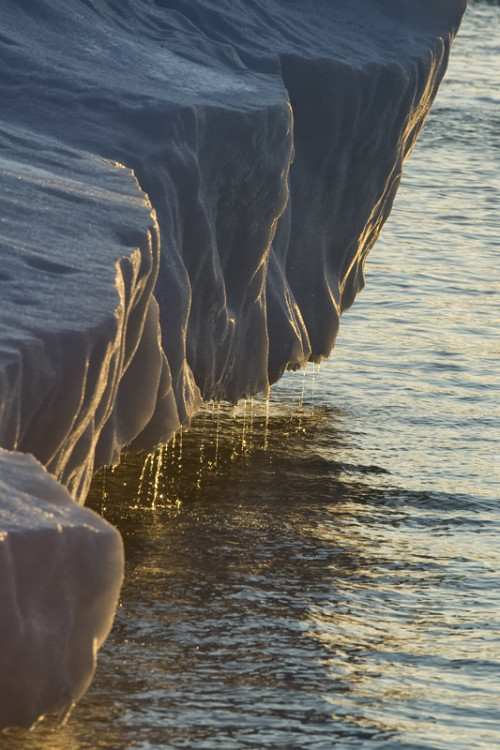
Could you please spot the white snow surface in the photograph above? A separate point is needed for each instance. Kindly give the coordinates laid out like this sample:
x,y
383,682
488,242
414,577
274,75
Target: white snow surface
x,y
188,192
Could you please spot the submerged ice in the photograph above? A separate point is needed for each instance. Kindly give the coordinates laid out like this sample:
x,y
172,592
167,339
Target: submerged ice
x,y
189,190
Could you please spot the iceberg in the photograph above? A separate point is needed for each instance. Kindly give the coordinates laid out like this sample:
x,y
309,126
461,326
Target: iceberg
x,y
189,191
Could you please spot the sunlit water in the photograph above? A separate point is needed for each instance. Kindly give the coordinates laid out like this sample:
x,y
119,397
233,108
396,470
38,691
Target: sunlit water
x,y
323,570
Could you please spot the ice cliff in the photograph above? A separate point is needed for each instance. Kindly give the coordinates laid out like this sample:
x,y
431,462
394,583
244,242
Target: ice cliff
x,y
189,190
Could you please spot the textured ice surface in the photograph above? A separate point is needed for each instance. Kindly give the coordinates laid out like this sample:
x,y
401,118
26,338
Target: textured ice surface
x,y
61,569
188,192
79,259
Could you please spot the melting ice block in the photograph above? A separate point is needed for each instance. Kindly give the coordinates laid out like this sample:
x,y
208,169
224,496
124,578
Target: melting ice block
x,y
61,568
188,193
269,137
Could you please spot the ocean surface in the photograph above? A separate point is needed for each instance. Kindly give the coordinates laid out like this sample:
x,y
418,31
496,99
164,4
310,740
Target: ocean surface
x,y
321,569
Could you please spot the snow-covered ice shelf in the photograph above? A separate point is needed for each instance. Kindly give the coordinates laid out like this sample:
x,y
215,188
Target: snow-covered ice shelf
x,y
189,190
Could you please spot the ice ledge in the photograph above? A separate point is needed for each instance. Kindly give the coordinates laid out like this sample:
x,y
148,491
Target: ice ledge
x,y
60,576
79,328
262,151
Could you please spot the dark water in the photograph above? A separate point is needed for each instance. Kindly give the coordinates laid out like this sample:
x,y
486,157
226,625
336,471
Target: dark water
x,y
322,570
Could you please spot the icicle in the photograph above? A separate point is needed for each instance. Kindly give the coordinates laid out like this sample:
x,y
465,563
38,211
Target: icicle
x,y
201,459
142,479
217,436
266,423
251,438
244,428
179,459
158,472
315,377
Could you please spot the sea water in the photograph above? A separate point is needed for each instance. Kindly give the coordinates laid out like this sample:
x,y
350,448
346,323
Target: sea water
x,y
322,569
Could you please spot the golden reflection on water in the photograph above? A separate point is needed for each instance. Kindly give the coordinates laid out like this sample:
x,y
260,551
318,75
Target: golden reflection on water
x,y
220,437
